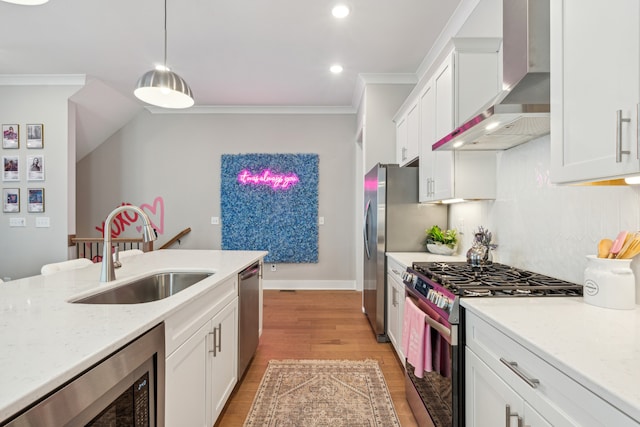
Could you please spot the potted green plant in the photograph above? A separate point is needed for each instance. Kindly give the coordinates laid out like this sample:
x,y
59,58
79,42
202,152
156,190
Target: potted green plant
x,y
442,242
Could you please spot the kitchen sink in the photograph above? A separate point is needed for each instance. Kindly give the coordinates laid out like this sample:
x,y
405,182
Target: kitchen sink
x,y
147,289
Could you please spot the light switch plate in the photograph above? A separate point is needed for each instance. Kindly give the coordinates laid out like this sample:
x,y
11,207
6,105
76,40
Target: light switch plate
x,y
17,222
43,222
321,220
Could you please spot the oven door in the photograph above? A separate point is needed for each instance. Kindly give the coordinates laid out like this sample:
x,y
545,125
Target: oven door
x,y
433,395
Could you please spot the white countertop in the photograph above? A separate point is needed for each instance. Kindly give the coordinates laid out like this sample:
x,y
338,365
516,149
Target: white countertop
x,y
407,258
46,340
597,347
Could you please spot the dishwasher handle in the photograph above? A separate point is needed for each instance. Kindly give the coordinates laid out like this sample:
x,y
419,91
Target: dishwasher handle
x,y
250,272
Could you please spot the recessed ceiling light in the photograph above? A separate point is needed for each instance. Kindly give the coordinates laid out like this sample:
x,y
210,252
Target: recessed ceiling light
x,y
340,11
336,69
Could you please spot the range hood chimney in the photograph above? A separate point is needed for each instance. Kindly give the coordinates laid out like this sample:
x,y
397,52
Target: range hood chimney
x,y
521,111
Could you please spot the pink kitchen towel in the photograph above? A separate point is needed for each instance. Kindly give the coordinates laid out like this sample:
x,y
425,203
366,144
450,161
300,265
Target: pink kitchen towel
x,y
414,336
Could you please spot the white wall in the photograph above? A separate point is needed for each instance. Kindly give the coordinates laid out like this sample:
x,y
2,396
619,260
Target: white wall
x,y
26,249
177,157
544,227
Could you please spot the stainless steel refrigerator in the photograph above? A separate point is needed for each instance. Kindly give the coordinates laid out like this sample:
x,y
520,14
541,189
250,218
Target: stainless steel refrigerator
x,y
394,221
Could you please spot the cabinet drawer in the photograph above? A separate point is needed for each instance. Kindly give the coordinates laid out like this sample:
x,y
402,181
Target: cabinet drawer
x,y
184,323
557,397
394,268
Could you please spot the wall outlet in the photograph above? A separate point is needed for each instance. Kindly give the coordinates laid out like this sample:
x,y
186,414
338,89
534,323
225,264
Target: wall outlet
x,y
17,222
215,220
273,267
321,220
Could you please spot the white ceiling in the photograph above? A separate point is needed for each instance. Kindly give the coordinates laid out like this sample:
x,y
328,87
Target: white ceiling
x,y
231,52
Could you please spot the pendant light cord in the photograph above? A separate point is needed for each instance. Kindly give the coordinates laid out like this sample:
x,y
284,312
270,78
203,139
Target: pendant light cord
x,y
165,34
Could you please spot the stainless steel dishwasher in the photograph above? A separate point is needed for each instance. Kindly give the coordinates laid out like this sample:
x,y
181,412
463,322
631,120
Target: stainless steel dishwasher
x,y
249,302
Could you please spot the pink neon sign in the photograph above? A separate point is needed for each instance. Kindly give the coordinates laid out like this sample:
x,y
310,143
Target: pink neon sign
x,y
266,177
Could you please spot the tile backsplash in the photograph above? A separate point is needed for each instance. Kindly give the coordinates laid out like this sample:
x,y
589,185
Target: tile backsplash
x,y
543,227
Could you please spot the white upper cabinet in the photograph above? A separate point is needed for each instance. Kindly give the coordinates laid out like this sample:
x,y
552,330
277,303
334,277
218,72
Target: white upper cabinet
x,y
595,89
408,136
466,79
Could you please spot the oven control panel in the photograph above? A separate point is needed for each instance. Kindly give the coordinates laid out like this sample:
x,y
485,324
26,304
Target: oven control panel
x,y
431,292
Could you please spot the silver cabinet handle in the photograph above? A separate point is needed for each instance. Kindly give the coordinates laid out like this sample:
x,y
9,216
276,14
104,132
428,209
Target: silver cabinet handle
x,y
638,131
509,415
394,296
619,121
404,153
514,367
217,340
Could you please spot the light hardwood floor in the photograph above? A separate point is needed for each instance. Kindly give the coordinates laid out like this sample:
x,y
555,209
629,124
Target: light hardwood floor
x,y
315,325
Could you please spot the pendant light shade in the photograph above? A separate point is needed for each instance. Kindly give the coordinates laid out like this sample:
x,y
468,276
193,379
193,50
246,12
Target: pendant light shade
x,y
162,87
27,2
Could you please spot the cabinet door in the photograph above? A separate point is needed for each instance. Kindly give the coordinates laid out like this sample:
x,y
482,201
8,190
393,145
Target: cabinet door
x,y
394,324
401,140
487,396
223,358
186,382
443,86
413,132
427,102
436,167
595,69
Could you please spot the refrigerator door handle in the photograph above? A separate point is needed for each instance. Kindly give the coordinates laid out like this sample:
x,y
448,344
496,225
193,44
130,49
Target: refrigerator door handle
x,y
365,228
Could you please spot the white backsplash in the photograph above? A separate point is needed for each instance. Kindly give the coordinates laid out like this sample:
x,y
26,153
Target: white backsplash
x,y
544,227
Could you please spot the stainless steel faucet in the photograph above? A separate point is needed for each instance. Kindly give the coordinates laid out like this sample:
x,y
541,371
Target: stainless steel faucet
x,y
108,273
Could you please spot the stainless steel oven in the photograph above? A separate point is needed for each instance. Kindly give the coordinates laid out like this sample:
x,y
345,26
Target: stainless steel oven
x,y
124,389
435,390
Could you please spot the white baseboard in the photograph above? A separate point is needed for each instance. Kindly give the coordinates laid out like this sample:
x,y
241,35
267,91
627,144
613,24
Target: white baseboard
x,y
310,285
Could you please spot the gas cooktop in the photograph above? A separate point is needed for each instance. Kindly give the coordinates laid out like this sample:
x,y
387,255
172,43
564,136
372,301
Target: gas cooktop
x,y
462,279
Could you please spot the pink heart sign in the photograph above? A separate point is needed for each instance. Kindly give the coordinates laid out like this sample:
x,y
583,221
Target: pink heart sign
x,y
156,214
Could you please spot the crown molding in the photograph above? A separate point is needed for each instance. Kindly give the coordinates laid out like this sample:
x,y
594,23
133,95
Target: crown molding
x,y
249,109
365,79
444,40
43,79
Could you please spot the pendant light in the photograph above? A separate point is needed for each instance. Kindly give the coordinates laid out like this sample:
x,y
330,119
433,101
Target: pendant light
x,y
27,2
162,87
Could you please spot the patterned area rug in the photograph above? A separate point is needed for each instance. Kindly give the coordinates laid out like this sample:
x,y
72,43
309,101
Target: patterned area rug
x,y
314,393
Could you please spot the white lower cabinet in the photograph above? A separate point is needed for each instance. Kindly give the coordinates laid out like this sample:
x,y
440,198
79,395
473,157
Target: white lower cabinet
x,y
186,382
500,371
491,402
223,358
201,373
201,367
395,305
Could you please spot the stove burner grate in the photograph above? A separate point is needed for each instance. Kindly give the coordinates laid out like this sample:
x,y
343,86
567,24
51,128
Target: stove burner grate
x,y
495,280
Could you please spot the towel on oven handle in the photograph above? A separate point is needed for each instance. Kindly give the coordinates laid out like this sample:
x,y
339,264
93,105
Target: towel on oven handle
x,y
416,338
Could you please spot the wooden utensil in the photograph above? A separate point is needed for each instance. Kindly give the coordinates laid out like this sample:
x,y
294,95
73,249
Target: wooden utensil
x,y
631,247
604,247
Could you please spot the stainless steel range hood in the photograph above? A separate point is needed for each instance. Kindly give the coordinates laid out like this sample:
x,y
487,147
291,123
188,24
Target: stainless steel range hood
x,y
521,111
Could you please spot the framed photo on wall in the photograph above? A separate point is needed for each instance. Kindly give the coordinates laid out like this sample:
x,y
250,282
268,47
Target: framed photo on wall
x,y
11,200
11,171
10,136
35,136
35,202
35,168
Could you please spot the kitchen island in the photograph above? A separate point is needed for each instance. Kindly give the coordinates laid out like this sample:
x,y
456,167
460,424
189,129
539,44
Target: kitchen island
x,y
46,340
586,358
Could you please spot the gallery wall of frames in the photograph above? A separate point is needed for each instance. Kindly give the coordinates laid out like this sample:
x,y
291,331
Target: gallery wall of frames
x,y
23,162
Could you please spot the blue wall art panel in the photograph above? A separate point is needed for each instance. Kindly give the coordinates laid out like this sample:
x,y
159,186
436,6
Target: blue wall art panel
x,y
270,202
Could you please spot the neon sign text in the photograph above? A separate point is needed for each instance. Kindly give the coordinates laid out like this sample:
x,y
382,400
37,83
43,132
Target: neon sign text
x,y
266,177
